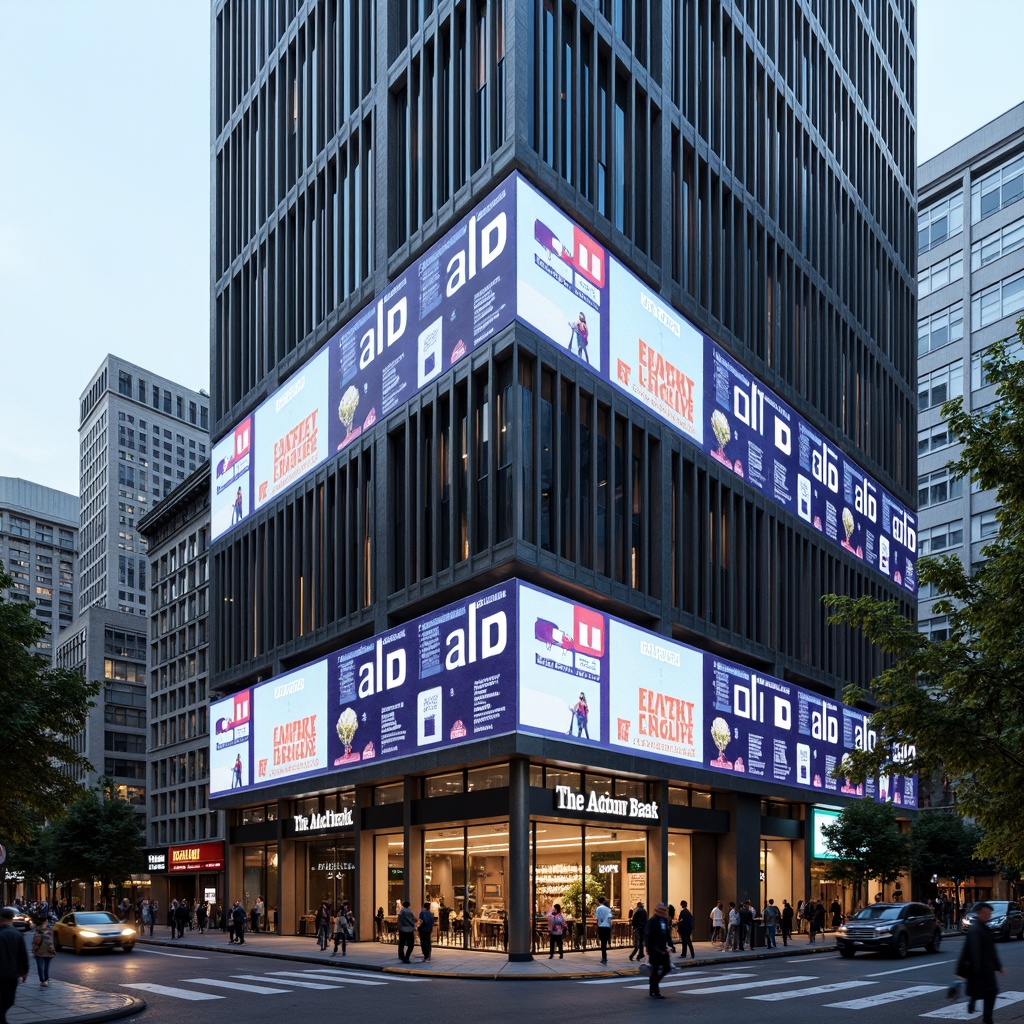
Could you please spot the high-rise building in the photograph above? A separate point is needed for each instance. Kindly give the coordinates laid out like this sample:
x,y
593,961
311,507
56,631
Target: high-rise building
x,y
970,280
39,546
139,435
562,360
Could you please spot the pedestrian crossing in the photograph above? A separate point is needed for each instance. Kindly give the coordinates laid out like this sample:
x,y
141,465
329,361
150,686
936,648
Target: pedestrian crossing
x,y
269,984
696,983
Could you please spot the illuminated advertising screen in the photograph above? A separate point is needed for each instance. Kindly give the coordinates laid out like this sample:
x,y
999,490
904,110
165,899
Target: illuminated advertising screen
x,y
820,849
517,256
519,659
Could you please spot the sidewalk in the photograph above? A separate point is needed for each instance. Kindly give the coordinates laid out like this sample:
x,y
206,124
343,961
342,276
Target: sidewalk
x,y
63,1003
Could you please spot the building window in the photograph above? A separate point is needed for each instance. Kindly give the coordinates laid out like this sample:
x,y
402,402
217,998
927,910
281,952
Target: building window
x,y
931,439
940,385
984,525
940,221
935,539
998,300
998,189
935,488
940,329
999,243
935,629
938,275
124,383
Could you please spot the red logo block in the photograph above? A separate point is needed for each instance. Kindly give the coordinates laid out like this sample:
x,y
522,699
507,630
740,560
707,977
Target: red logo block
x,y
589,631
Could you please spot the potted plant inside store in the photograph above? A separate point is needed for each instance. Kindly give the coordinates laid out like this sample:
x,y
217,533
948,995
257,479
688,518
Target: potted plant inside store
x,y
572,901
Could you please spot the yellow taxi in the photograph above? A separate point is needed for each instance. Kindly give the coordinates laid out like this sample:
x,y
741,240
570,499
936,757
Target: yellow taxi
x,y
92,929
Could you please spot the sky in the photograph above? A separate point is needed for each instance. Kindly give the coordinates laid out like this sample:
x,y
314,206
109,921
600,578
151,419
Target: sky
x,y
105,190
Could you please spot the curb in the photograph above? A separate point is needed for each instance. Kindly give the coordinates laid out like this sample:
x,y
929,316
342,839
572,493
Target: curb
x,y
132,1006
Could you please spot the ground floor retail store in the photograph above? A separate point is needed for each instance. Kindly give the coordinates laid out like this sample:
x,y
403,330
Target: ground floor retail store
x,y
491,848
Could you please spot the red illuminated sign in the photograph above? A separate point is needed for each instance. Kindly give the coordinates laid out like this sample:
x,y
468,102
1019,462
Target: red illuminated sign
x,y
196,857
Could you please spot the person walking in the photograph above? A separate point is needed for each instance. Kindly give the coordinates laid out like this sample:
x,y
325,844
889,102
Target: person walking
x,y
734,937
343,929
147,918
238,916
979,962
746,925
13,961
685,928
718,925
638,920
819,918
406,932
787,921
836,911
202,916
659,942
323,923
43,950
426,928
556,931
770,917
182,916
603,917
256,914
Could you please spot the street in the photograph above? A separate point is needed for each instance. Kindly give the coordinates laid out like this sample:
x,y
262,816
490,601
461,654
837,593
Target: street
x,y
869,989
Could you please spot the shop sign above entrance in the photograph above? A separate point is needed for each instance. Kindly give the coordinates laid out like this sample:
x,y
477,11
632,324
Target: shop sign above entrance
x,y
323,822
157,861
569,799
199,857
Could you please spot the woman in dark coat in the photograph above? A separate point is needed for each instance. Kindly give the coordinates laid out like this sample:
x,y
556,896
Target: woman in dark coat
x,y
979,962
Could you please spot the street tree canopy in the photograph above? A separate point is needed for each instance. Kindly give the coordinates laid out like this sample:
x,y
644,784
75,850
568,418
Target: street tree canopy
x,y
41,708
868,843
954,707
943,844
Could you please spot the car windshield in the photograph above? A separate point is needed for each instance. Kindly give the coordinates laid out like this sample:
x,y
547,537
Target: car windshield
x,y
998,907
877,914
99,917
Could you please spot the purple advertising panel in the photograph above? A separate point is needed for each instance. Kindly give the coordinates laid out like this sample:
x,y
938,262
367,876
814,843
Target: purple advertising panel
x,y
231,743
436,681
563,667
561,278
231,478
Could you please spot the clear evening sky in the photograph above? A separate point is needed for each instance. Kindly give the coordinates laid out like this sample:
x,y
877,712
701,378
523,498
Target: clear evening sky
x,y
105,186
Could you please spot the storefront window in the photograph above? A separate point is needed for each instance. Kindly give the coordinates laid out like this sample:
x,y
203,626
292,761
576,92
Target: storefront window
x,y
537,776
393,794
331,872
679,876
698,798
561,777
389,873
443,785
259,878
494,776
626,788
599,784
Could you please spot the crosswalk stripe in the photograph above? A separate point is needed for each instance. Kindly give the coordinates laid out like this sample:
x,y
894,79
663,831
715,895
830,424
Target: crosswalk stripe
x,y
817,990
620,980
333,975
345,972
322,986
958,1010
675,983
175,993
887,997
753,984
259,990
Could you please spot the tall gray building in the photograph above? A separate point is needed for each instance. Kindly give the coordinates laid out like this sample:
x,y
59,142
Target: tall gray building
x,y
39,546
970,244
140,434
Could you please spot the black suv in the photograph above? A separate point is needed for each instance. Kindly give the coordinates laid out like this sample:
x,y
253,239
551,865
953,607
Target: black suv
x,y
1006,921
890,928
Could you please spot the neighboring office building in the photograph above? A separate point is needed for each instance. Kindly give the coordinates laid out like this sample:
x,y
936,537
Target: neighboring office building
x,y
39,547
139,435
970,294
666,169
179,818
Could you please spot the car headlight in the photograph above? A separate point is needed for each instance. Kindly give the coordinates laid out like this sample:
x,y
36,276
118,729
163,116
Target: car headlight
x,y
883,929
89,935
127,931
841,930
997,922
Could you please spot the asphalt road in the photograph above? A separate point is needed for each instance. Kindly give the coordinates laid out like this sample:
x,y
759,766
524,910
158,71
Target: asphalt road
x,y
193,985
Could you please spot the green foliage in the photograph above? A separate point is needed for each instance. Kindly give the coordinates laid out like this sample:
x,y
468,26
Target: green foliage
x,y
955,707
41,708
869,844
100,838
944,844
572,900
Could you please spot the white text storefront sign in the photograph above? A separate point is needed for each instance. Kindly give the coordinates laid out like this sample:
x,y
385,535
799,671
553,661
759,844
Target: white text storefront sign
x,y
325,822
568,799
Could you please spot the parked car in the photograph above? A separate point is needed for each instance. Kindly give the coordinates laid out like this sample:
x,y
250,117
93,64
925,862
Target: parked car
x,y
890,928
22,919
92,929
1006,921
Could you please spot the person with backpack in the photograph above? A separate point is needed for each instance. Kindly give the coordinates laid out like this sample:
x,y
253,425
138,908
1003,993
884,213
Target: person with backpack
x,y
556,931
43,950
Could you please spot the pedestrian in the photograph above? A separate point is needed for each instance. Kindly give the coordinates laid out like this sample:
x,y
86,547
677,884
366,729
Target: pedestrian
x,y
42,949
659,942
638,920
154,913
734,937
257,913
323,923
182,916
718,925
836,911
202,916
787,921
406,932
556,931
13,961
771,923
603,917
378,920
238,917
979,962
746,925
343,930
147,918
426,928
172,918
685,929
801,916
819,918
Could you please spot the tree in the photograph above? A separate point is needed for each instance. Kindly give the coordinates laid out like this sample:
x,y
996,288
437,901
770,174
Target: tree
x,y
868,843
100,838
944,844
41,708
573,898
955,706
